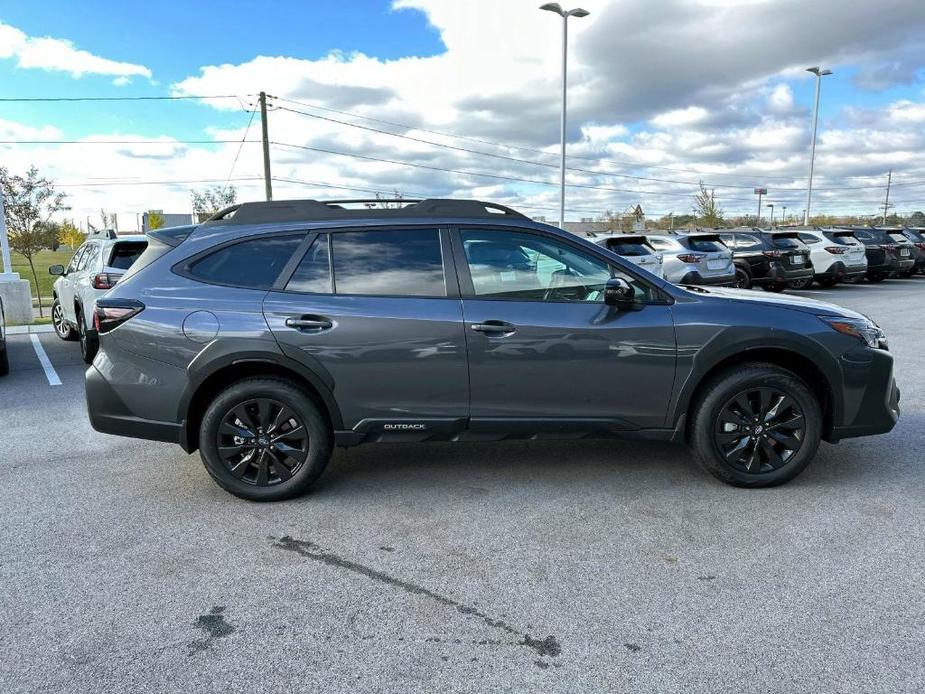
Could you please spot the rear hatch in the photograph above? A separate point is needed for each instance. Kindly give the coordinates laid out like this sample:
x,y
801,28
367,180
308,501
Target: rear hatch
x,y
849,248
122,255
793,253
637,250
708,252
903,245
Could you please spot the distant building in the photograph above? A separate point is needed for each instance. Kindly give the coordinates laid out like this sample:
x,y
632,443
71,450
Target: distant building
x,y
170,219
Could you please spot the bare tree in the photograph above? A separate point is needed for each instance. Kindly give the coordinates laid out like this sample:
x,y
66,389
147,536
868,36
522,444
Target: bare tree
x,y
29,203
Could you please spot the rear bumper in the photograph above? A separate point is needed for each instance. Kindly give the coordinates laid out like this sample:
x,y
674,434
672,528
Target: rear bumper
x,y
695,277
778,274
871,396
109,414
839,270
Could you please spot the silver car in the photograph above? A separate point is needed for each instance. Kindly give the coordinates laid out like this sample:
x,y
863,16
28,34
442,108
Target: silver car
x,y
635,249
95,268
696,258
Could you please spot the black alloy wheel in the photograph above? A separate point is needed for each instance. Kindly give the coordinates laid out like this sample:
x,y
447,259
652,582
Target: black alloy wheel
x,y
262,442
759,430
743,280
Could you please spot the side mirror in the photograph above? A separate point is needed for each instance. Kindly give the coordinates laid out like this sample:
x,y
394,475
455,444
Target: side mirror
x,y
56,270
620,293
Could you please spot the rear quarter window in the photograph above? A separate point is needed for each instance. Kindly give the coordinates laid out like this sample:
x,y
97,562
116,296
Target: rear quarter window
x,y
253,264
786,242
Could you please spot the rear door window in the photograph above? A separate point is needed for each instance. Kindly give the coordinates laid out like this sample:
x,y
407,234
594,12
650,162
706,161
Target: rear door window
x,y
124,254
388,262
808,238
254,264
89,257
747,242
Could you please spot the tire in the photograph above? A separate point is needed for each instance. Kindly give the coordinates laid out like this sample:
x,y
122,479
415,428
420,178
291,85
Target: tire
x,y
89,340
876,278
712,442
800,284
857,279
776,288
743,279
827,282
257,470
4,361
62,328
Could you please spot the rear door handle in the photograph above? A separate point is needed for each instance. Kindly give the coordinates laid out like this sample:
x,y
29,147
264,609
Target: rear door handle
x,y
309,323
494,327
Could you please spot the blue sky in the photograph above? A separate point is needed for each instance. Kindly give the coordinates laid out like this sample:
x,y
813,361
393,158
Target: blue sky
x,y
653,102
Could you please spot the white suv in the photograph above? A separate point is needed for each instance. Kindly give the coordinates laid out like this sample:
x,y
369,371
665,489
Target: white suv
x,y
836,255
95,268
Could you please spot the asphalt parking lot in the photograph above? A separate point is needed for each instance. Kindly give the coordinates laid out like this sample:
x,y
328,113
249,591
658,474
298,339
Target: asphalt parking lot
x,y
519,566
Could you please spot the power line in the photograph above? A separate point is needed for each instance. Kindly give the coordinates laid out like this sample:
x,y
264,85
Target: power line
x,y
240,147
152,183
121,142
46,99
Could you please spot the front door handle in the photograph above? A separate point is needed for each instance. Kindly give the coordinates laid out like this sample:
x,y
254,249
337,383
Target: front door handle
x,y
309,323
493,327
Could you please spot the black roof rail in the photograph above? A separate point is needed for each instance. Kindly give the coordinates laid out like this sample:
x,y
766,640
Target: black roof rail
x,y
305,210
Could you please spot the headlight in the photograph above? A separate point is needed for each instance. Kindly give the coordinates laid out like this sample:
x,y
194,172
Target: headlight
x,y
861,328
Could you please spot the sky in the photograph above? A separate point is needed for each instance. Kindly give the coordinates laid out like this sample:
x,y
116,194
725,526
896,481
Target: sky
x,y
453,98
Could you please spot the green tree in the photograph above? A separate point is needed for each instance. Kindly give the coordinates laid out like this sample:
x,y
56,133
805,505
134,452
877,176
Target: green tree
x,y
29,203
709,213
208,201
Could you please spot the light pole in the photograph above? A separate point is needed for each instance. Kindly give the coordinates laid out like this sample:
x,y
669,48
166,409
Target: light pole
x,y
759,192
565,14
771,205
819,73
783,214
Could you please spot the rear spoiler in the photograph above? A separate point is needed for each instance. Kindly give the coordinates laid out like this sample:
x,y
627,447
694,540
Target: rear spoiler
x,y
173,236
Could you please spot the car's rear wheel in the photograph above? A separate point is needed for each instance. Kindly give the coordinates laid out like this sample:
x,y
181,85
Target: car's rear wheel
x,y
743,280
264,439
800,284
63,329
876,278
756,426
4,360
89,340
777,287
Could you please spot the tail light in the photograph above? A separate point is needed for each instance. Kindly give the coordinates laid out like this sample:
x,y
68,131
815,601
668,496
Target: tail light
x,y
773,254
888,246
105,281
836,250
690,257
920,246
111,313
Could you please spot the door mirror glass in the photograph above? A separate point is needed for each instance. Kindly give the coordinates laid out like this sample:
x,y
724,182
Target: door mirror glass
x,y
620,293
56,270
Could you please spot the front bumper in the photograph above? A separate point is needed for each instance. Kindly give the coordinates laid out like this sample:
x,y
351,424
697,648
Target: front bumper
x,y
870,395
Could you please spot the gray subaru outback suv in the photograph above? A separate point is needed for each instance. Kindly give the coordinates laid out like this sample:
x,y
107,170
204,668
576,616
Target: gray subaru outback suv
x,y
274,331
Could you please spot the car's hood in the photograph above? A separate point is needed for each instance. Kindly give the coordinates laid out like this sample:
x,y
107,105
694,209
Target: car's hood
x,y
798,303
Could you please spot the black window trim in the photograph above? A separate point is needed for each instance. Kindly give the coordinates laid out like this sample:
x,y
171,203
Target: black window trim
x,y
183,268
450,280
467,289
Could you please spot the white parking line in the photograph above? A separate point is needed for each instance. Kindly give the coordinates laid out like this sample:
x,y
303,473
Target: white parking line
x,y
50,372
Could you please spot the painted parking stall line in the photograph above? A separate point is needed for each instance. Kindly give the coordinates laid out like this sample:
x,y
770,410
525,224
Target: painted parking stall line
x,y
50,372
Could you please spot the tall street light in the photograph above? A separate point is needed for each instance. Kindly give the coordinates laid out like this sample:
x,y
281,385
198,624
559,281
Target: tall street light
x,y
819,73
565,14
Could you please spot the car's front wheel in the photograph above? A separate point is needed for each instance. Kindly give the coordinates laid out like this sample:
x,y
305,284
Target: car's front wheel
x,y
757,425
63,329
743,280
264,439
777,287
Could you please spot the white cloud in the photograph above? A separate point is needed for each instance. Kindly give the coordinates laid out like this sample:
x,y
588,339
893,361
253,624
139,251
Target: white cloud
x,y
681,116
61,55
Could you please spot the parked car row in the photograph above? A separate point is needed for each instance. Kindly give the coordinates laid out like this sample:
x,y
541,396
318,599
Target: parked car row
x,y
773,259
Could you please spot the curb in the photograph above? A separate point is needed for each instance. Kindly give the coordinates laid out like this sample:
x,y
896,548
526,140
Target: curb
x,y
29,329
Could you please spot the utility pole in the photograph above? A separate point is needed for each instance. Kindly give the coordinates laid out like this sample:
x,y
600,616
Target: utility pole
x,y
771,223
4,241
783,214
266,146
886,202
